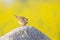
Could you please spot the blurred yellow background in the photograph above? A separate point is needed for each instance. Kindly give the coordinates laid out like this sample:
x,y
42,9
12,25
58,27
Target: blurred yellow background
x,y
42,14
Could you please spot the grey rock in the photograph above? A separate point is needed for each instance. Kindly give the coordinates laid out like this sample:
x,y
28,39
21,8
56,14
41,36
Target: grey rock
x,y
25,33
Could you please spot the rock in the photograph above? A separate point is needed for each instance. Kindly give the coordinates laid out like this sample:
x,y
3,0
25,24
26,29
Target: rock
x,y
24,33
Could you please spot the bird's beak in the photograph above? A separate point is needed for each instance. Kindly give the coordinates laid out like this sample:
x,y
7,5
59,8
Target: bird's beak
x,y
16,16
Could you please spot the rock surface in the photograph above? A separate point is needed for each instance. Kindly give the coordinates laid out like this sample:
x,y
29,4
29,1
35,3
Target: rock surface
x,y
24,33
